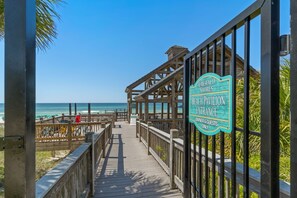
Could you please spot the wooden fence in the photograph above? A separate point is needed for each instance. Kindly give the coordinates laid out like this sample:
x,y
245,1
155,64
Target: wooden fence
x,y
63,136
167,124
74,176
167,149
110,117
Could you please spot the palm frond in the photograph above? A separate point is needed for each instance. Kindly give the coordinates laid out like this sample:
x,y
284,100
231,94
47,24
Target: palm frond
x,y
46,15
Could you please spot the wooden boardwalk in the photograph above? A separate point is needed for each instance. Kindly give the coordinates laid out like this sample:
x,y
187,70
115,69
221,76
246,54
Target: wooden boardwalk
x,y
128,171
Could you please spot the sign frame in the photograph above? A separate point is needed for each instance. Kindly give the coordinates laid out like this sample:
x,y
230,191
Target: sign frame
x,y
218,80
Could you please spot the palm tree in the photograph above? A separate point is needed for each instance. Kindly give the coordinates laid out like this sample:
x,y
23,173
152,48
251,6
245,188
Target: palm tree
x,y
46,27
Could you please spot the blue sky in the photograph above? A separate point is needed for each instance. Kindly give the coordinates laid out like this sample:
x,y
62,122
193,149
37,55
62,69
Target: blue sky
x,y
104,45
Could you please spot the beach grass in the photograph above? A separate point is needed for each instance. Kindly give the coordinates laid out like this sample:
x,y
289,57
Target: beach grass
x,y
44,162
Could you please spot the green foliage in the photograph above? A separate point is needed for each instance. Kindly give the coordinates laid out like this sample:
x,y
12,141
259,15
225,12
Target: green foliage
x,y
161,152
255,111
45,18
44,162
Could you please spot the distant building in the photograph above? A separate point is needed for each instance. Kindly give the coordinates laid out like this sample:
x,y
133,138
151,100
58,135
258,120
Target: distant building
x,y
158,95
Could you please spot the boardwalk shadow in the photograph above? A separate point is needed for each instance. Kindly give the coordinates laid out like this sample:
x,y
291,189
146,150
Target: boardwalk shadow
x,y
113,180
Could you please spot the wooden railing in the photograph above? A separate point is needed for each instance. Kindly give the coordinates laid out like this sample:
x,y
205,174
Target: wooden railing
x,y
121,115
167,124
74,176
167,149
63,136
107,117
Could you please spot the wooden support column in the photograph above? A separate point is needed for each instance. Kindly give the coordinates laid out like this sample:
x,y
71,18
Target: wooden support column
x,y
129,100
136,106
168,110
154,107
20,77
140,111
173,104
154,110
162,110
146,110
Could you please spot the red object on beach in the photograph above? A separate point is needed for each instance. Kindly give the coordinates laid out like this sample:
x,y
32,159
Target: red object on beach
x,y
77,118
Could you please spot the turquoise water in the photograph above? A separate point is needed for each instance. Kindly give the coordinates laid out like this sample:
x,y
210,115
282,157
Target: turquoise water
x,y
48,110
55,109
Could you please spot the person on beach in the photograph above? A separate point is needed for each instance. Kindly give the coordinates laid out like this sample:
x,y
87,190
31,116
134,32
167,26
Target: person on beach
x,y
77,118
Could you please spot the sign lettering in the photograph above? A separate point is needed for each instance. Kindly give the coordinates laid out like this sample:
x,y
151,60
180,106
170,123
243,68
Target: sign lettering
x,y
210,105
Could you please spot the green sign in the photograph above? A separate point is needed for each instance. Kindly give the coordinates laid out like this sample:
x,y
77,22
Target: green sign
x,y
210,105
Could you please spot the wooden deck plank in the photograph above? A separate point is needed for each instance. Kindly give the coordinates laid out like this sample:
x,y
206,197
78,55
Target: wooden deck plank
x,y
128,171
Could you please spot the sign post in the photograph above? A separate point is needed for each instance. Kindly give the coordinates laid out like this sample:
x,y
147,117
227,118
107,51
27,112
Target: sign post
x,y
210,104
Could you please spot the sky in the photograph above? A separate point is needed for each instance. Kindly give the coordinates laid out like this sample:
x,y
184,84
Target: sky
x,y
105,45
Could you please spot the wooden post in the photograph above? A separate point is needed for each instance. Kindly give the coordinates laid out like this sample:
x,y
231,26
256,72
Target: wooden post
x,y
114,118
139,131
219,184
129,98
168,110
70,109
69,135
20,30
137,127
154,110
227,188
146,110
75,109
89,112
91,167
148,138
140,113
103,142
237,191
136,108
173,104
162,109
173,134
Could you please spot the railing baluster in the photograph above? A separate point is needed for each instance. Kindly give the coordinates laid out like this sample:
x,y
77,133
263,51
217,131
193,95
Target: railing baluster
x,y
246,107
214,69
233,133
187,140
195,136
206,137
222,135
293,93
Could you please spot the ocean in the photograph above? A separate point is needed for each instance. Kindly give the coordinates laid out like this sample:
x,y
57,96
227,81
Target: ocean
x,y
48,110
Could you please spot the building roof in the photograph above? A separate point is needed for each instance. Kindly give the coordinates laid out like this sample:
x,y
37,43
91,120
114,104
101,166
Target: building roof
x,y
155,71
161,83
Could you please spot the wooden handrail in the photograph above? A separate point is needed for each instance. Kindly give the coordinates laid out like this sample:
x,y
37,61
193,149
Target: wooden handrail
x,y
175,171
81,164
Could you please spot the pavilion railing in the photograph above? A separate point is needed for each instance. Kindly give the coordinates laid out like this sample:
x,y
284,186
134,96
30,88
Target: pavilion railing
x,y
74,176
168,151
167,124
